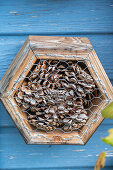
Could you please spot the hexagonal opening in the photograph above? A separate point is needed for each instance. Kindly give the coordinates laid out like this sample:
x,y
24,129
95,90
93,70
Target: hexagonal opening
x,y
58,95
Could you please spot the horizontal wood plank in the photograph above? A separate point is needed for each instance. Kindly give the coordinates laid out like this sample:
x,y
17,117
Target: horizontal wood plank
x,y
48,17
63,168
15,154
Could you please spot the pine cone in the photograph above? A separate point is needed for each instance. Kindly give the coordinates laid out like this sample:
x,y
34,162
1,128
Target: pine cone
x,y
55,95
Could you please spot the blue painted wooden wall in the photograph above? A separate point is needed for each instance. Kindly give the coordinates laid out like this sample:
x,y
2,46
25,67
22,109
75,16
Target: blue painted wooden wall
x,y
18,19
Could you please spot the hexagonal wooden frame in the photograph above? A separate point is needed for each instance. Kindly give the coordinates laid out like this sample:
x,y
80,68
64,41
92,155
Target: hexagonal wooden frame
x,y
63,47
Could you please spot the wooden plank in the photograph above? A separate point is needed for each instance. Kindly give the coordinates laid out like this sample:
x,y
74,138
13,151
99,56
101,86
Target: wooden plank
x,y
15,154
56,17
63,168
11,44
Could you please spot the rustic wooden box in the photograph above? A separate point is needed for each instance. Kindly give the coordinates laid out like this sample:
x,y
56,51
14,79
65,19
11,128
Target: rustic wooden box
x,y
63,54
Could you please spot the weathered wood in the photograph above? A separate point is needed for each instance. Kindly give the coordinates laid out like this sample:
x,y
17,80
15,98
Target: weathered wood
x,y
64,46
62,18
58,17
56,157
15,65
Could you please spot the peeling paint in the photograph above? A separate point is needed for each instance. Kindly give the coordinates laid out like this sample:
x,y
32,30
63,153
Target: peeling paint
x,y
80,150
35,154
11,157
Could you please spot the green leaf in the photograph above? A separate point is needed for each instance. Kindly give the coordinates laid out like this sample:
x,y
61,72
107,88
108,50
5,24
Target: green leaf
x,y
109,138
100,161
107,112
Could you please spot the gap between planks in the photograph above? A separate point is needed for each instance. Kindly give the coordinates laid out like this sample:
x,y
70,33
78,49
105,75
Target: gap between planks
x,y
56,33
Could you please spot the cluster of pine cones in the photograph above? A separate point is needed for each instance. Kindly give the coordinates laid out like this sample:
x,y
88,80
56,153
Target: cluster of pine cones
x,y
55,95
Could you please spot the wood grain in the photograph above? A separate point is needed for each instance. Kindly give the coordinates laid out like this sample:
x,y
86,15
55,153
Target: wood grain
x,y
60,157
56,17
92,19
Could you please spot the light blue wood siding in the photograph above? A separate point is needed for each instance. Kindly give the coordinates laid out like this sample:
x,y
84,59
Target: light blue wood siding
x,y
93,19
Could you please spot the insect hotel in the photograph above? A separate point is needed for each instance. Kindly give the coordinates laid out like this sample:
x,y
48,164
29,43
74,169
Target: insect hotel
x,y
55,89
